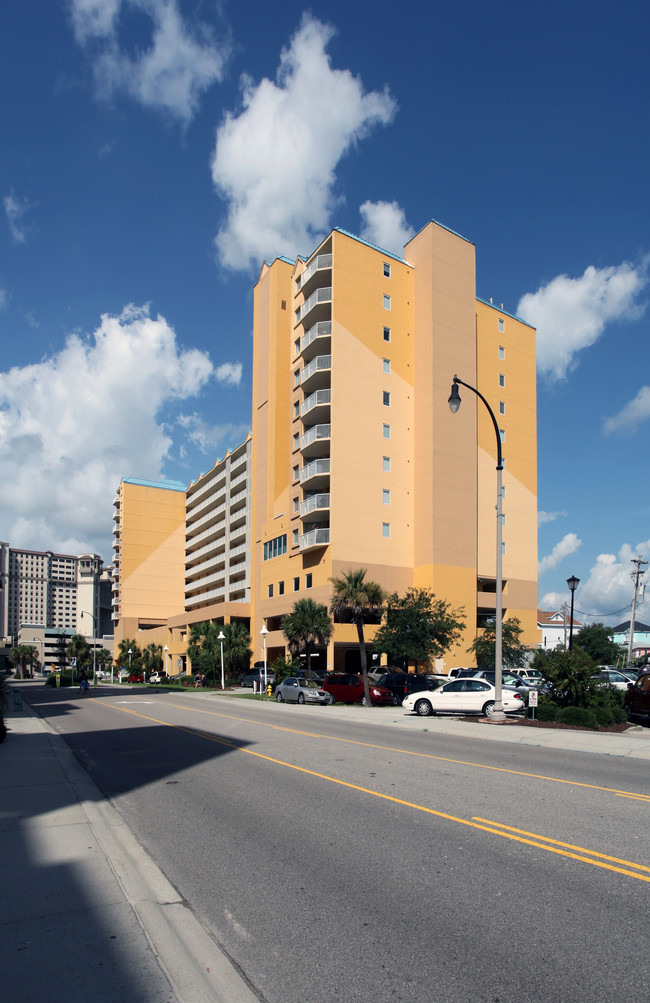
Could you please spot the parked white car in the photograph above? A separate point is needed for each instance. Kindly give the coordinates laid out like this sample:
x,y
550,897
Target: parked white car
x,y
618,680
462,696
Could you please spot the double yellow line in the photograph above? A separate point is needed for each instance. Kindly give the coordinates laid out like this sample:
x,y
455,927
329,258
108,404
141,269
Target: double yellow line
x,y
628,868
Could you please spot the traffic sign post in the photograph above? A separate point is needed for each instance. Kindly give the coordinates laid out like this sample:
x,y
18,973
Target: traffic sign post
x,y
533,698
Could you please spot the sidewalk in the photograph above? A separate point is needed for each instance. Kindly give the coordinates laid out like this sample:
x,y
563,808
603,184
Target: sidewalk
x,y
86,914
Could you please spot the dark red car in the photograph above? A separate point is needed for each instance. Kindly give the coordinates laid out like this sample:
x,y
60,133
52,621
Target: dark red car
x,y
637,697
135,677
348,688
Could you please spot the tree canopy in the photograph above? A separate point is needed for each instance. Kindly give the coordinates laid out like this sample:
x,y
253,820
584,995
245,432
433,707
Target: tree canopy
x,y
418,627
596,640
513,651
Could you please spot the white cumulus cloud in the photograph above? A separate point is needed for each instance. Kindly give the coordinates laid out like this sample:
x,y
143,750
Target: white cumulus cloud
x,y
543,517
571,313
384,224
73,424
180,64
567,545
274,162
15,210
634,412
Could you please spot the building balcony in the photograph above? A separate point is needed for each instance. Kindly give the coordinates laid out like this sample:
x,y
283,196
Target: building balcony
x,y
316,474
316,375
316,306
317,337
314,507
316,441
318,265
316,407
316,538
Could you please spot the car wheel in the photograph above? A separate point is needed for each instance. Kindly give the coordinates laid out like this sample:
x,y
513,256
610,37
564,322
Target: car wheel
x,y
278,697
397,702
332,699
301,698
423,708
488,708
628,711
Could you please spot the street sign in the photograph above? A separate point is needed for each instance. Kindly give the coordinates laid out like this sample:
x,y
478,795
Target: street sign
x,y
73,663
533,698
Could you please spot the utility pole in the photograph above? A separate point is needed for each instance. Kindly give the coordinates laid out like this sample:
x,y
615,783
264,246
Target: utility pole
x,y
636,577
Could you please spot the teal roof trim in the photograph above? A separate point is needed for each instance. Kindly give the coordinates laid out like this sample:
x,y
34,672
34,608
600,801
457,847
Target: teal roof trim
x,y
375,247
166,483
507,313
447,228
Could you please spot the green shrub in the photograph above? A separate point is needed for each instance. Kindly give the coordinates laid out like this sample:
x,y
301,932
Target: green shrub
x,y
546,711
604,716
580,717
619,714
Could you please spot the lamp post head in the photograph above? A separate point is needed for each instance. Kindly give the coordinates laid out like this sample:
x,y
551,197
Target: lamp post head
x,y
166,648
221,636
573,583
129,652
454,397
264,631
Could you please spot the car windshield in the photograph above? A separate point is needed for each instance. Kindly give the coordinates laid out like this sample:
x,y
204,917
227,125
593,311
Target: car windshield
x,y
308,684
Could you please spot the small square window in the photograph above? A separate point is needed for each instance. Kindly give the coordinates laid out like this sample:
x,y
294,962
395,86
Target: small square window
x,y
502,380
385,530
296,473
298,315
296,504
385,496
386,270
502,407
296,346
296,409
308,579
385,396
501,324
385,431
296,584
296,537
298,282
502,352
280,588
386,302
283,304
270,591
385,464
386,334
385,365
296,378
296,440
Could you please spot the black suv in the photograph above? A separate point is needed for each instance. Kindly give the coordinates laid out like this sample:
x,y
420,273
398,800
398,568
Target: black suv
x,y
402,683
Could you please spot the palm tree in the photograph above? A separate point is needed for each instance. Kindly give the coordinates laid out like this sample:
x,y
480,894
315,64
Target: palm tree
x,y
79,648
20,656
152,658
358,601
136,654
307,625
203,649
236,647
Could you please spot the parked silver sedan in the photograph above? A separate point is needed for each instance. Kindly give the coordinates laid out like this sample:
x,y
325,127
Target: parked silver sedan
x,y
295,690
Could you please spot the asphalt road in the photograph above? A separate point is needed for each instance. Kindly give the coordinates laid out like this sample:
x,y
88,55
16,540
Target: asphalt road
x,y
342,863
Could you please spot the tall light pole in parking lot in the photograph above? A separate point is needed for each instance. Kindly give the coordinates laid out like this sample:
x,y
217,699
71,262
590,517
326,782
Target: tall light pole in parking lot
x,y
222,637
264,631
573,583
498,716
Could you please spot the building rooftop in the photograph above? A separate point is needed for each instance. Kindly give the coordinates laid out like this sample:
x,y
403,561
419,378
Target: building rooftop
x,y
166,483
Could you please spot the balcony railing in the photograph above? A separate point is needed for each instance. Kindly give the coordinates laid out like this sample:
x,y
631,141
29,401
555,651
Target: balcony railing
x,y
316,538
315,433
320,262
322,329
317,503
318,364
319,398
323,295
315,469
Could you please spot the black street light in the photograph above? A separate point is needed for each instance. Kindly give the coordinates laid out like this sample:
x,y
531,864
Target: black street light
x,y
573,583
498,715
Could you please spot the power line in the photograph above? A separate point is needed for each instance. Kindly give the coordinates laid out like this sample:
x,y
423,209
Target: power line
x,y
615,613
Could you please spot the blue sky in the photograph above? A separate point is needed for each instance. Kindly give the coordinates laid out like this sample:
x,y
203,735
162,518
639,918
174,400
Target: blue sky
x,y
155,151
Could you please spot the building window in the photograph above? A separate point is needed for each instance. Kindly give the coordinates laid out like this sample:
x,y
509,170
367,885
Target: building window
x,y
385,365
296,537
385,464
296,473
296,346
503,547
298,315
308,579
502,407
296,441
502,434
275,547
386,334
386,270
296,409
501,324
270,591
386,302
298,282
502,352
385,396
385,530
385,496
296,585
296,378
385,431
280,588
296,504
283,304
502,380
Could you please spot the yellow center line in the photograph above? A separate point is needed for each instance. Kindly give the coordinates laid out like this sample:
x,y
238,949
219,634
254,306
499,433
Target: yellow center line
x,y
420,755
507,832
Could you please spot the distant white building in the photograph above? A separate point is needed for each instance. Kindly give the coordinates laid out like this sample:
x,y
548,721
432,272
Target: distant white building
x,y
555,627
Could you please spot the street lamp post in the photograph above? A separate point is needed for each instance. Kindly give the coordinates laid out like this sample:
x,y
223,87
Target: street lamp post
x,y
498,716
129,653
94,648
165,650
573,583
222,637
264,631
